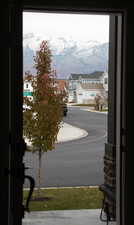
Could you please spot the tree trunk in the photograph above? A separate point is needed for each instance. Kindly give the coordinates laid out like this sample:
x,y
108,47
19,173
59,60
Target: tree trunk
x,y
39,171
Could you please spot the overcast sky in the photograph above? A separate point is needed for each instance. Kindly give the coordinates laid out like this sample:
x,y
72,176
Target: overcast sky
x,y
71,26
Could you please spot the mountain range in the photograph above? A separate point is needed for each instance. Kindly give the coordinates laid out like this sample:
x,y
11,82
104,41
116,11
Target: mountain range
x,y
68,56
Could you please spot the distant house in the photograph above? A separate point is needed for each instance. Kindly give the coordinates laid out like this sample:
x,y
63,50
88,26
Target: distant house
x,y
104,81
27,89
74,81
62,86
85,93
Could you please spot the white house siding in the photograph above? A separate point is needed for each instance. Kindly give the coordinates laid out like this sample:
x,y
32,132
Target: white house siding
x,y
104,81
85,93
27,89
86,96
97,78
71,96
27,86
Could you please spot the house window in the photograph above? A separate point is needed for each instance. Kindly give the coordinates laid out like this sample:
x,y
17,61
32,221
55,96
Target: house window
x,y
92,94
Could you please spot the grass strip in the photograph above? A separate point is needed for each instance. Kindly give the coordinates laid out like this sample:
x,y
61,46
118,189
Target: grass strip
x,y
65,199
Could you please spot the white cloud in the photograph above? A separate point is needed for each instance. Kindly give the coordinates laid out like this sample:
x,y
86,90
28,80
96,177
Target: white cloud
x,y
79,27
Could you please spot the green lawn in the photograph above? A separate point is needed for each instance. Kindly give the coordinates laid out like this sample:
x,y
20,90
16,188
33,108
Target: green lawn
x,y
66,198
104,110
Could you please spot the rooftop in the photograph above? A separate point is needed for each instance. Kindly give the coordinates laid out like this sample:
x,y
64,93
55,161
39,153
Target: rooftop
x,y
61,84
94,75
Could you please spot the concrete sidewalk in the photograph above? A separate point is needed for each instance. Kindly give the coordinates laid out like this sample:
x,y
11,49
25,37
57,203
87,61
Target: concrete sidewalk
x,y
64,217
66,133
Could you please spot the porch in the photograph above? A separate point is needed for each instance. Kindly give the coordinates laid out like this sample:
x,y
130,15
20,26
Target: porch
x,y
65,217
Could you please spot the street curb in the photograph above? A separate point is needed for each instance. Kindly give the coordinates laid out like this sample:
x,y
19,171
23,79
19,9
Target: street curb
x,y
89,110
63,187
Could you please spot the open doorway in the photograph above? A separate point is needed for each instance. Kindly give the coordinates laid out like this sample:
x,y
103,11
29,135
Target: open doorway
x,y
80,61
12,158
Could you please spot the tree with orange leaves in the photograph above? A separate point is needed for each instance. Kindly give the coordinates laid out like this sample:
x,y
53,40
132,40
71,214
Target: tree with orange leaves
x,y
42,120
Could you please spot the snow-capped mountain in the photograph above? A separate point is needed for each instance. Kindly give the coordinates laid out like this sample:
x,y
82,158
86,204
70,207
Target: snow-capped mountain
x,y
68,56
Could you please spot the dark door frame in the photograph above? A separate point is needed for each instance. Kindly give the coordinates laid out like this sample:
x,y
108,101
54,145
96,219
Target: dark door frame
x,y
12,157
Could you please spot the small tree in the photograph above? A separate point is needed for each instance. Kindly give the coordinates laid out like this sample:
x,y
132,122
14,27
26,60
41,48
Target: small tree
x,y
100,101
97,100
43,118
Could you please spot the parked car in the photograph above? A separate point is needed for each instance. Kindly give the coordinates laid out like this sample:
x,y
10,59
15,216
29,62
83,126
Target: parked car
x,y
65,109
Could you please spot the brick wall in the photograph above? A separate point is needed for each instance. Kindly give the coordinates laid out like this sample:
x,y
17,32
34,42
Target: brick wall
x,y
110,182
109,186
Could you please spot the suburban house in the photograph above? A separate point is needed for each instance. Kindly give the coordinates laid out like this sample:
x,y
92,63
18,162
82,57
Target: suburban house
x,y
85,93
27,89
84,87
62,87
60,84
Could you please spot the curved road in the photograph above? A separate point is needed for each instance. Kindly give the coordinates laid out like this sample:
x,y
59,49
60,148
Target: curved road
x,y
78,162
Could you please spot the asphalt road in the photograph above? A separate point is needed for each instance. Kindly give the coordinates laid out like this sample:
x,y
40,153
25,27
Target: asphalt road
x,y
74,163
